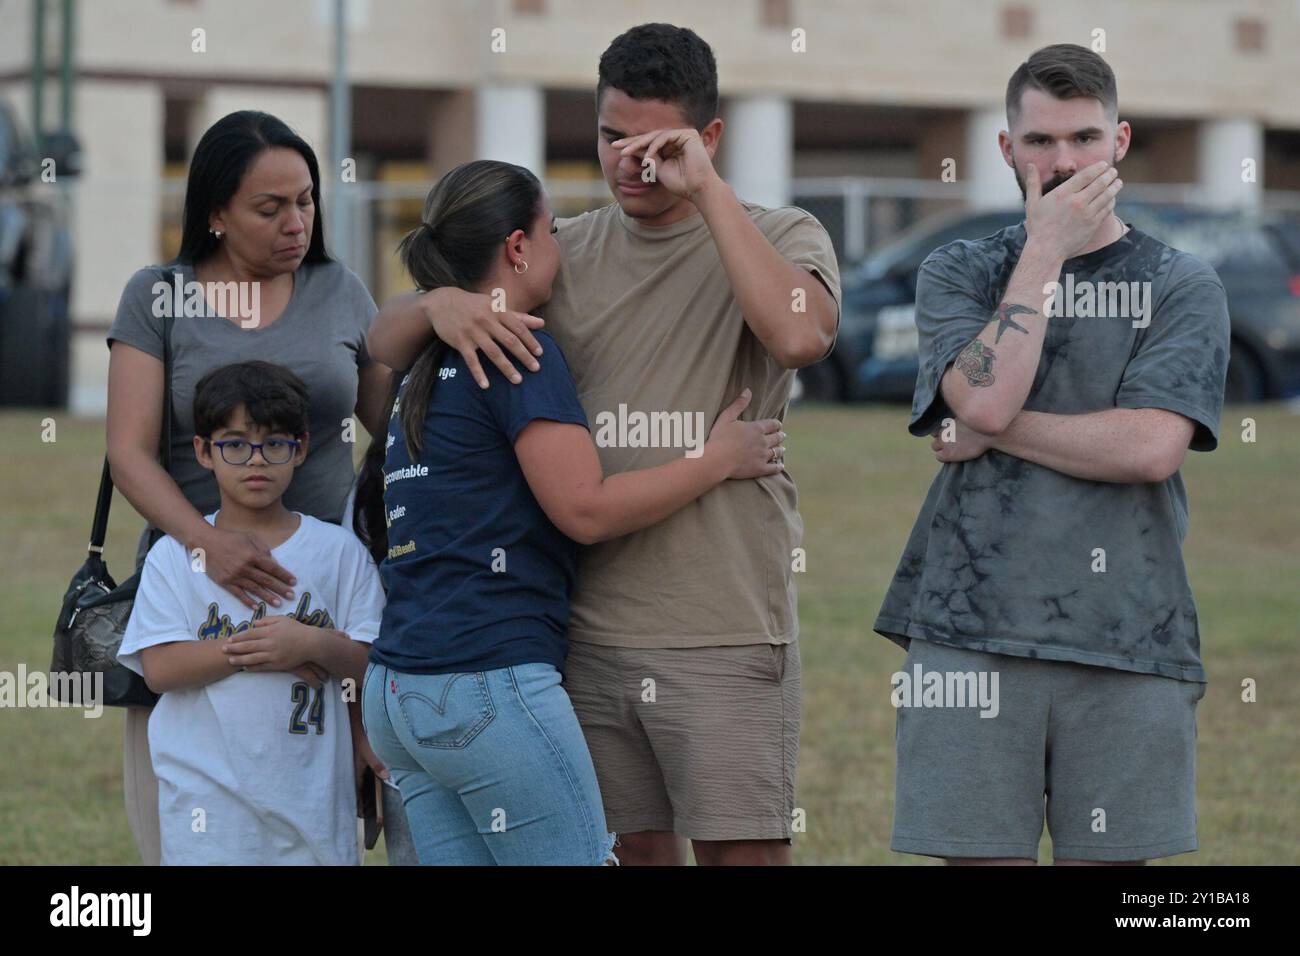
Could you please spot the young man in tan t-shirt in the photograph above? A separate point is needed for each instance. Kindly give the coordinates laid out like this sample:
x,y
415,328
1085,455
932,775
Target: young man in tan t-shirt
x,y
683,662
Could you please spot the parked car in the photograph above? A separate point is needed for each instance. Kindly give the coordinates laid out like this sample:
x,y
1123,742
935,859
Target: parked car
x,y
36,256
1257,258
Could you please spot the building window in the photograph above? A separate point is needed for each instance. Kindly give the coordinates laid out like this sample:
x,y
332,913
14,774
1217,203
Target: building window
x,y
1017,22
1249,35
774,14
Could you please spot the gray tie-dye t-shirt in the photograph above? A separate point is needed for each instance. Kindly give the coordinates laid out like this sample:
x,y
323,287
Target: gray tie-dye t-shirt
x,y
1006,555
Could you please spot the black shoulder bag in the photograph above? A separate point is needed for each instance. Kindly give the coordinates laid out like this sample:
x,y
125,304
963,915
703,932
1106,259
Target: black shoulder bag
x,y
96,608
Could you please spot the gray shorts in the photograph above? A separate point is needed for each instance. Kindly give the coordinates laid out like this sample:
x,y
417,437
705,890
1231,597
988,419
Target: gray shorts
x,y
1109,755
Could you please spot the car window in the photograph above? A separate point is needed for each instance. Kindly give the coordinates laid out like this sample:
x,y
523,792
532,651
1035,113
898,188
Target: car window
x,y
1237,248
1225,242
1256,252
1288,234
974,227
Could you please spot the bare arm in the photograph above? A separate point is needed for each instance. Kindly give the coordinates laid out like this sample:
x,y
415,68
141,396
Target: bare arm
x,y
134,429
184,665
991,377
464,320
374,383
1124,445
282,643
400,331
338,654
762,280
987,384
563,470
1129,445
765,283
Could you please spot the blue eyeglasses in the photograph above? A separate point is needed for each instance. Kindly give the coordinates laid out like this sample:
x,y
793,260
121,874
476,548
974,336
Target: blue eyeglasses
x,y
275,451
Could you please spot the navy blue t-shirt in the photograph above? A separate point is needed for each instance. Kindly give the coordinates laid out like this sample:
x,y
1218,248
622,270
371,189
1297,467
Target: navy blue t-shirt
x,y
478,577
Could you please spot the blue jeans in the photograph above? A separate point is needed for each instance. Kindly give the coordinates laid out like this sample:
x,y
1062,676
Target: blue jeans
x,y
492,766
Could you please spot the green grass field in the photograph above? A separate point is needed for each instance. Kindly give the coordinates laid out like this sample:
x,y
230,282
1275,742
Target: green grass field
x,y
861,480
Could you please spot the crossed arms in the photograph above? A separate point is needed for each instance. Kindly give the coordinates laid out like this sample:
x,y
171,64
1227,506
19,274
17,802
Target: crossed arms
x,y
986,387
1127,445
277,643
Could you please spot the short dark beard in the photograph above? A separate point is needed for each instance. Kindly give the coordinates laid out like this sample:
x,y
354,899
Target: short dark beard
x,y
1054,181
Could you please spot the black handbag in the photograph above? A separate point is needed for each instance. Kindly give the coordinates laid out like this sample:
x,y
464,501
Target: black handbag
x,y
96,608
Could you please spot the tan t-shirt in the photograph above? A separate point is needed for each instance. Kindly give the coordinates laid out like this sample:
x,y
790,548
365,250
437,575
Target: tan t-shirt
x,y
647,321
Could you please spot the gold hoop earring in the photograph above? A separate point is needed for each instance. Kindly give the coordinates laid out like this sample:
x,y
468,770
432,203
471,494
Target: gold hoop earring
x,y
520,271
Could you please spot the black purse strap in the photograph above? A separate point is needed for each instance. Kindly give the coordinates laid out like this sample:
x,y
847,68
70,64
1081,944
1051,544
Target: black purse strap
x,y
99,527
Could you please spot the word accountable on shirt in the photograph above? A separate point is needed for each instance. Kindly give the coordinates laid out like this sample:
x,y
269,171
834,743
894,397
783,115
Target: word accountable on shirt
x,y
83,690
637,429
216,627
946,689
199,300
408,471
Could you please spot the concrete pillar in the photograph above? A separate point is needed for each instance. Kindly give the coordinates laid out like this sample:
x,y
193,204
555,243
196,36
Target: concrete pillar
x,y
116,219
510,124
1230,162
759,148
991,182
451,131
305,110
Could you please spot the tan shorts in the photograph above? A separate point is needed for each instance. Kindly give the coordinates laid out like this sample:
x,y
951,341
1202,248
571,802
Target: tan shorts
x,y
700,741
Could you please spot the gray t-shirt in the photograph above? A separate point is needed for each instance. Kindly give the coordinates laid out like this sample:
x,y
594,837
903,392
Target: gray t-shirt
x,y
1001,558
320,337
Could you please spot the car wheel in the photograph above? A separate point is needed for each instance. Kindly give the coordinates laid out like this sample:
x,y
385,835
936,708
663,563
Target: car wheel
x,y
24,358
59,342
1245,381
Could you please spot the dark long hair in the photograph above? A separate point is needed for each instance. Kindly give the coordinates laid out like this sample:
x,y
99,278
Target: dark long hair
x,y
368,520
467,216
221,160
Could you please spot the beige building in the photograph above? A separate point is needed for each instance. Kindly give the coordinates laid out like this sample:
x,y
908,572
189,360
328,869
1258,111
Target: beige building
x,y
850,107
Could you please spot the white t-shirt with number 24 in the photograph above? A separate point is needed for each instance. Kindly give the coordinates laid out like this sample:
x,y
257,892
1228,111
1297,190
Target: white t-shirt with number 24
x,y
255,768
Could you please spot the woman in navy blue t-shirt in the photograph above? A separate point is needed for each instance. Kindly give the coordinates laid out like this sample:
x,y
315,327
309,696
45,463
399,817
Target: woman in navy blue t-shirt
x,y
487,495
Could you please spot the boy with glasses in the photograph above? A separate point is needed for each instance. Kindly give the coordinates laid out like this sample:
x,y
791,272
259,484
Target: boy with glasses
x,y
251,741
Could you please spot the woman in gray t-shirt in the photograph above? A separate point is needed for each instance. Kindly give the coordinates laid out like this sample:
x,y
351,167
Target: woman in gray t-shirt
x,y
252,280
